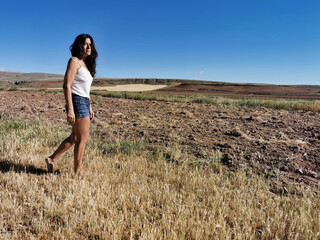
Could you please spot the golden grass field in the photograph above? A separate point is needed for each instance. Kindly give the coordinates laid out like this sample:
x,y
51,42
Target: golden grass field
x,y
135,194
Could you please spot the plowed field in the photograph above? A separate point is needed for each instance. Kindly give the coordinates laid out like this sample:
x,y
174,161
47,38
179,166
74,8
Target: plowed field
x,y
282,144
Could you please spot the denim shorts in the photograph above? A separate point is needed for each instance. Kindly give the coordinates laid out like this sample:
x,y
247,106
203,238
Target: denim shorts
x,y
81,106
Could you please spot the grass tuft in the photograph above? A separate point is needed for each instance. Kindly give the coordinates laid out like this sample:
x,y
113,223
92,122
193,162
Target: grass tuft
x,y
13,89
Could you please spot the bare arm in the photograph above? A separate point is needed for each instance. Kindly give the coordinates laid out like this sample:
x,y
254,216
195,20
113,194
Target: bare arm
x,y
71,71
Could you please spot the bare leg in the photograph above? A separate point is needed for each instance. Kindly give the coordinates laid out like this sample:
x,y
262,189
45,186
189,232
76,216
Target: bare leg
x,y
79,137
64,146
81,129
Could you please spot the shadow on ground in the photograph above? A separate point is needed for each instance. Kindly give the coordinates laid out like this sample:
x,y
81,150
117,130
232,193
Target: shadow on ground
x,y
7,166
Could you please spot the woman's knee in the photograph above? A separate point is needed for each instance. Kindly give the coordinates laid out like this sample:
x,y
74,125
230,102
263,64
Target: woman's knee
x,y
72,139
83,138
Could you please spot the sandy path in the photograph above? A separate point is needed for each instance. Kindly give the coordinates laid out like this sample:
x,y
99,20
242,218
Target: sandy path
x,y
130,88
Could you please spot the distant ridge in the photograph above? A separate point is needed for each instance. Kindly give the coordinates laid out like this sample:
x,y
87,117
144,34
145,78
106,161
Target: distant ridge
x,y
9,79
28,76
26,79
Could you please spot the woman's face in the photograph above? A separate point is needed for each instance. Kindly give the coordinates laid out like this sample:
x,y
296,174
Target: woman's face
x,y
87,47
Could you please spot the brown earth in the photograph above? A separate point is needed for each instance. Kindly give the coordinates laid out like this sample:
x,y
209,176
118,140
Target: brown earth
x,y
282,145
219,89
245,90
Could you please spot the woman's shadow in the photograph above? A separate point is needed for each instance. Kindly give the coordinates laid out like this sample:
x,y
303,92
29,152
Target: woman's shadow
x,y
7,166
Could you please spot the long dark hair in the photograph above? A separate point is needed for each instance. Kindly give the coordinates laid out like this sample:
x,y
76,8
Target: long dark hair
x,y
77,51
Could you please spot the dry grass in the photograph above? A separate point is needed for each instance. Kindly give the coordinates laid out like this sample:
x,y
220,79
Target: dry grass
x,y
132,194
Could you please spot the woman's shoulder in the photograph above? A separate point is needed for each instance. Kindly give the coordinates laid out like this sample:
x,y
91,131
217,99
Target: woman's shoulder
x,y
74,62
74,59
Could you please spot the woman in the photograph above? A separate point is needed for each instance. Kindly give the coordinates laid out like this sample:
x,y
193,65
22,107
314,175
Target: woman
x,y
77,82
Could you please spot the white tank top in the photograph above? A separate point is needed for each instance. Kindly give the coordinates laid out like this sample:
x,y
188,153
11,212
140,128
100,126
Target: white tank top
x,y
82,82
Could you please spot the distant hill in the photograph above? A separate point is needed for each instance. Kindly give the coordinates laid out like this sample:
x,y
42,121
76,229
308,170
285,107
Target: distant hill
x,y
153,81
175,86
28,76
28,79
8,79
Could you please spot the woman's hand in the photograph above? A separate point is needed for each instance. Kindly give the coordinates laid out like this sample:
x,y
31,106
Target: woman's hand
x,y
71,117
91,113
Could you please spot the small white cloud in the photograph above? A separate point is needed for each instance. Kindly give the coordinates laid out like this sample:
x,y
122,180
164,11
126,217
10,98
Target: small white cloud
x,y
2,69
202,72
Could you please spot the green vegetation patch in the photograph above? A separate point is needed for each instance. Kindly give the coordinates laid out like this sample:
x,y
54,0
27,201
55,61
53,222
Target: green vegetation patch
x,y
272,103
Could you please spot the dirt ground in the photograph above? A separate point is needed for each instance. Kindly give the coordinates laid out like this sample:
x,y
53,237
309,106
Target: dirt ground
x,y
301,92
280,144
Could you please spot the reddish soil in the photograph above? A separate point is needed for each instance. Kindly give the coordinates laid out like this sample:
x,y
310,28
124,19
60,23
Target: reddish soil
x,y
47,84
281,145
241,90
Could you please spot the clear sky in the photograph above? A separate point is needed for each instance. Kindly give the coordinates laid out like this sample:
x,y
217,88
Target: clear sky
x,y
261,41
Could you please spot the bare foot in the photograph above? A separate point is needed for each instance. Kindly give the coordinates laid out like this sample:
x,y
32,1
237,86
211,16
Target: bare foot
x,y
82,172
50,164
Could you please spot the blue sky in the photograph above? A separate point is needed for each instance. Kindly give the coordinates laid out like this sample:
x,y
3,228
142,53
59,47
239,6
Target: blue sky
x,y
257,41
